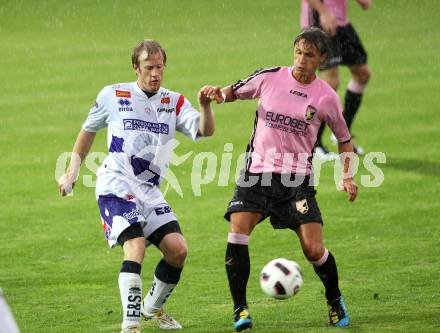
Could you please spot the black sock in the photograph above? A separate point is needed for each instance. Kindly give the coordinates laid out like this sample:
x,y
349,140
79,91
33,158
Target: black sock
x,y
238,268
351,107
131,267
328,273
167,273
319,135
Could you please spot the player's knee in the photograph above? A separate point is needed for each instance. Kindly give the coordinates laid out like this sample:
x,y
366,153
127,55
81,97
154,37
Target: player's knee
x,y
181,254
313,252
240,229
331,76
178,256
244,222
334,83
363,76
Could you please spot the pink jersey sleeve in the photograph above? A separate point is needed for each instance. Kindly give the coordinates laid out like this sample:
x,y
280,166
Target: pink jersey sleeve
x,y
250,87
334,118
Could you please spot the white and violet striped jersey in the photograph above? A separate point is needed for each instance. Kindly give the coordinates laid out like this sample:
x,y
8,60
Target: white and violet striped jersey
x,y
141,133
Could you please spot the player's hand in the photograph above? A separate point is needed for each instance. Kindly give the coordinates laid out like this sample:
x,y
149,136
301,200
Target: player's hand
x,y
348,185
207,94
365,4
328,22
66,184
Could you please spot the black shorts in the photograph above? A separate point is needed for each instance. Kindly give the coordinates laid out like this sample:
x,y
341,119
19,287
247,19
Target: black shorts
x,y
346,49
287,206
135,230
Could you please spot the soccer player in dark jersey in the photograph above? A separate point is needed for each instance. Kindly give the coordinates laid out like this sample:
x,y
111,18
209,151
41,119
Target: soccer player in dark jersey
x,y
292,104
347,49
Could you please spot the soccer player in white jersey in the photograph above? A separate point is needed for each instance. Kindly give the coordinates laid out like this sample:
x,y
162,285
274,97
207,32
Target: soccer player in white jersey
x,y
142,118
346,49
292,104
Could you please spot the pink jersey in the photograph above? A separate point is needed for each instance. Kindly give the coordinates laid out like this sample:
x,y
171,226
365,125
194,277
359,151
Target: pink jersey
x,y
310,17
288,117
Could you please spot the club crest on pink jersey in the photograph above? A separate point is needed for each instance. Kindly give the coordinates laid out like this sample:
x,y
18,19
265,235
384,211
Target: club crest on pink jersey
x,y
310,112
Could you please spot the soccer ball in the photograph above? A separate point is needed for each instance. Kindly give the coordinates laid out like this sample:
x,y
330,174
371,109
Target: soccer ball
x,y
281,278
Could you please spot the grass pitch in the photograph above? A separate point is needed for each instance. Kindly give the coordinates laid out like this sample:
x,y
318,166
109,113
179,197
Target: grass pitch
x,y
55,268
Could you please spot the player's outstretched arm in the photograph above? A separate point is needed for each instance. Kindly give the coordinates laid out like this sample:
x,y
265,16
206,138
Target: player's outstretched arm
x,y
81,148
206,95
207,121
347,160
220,95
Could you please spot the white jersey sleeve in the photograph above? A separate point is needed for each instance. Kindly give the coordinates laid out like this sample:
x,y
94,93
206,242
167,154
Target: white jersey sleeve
x,y
187,118
98,114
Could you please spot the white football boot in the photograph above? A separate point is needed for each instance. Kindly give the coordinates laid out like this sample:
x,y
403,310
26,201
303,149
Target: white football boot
x,y
132,329
163,320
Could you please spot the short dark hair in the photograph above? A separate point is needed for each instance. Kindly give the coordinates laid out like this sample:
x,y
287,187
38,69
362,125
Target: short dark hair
x,y
316,37
151,47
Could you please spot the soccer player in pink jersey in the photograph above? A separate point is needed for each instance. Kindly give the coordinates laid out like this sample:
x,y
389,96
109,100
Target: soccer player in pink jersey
x,y
278,179
347,49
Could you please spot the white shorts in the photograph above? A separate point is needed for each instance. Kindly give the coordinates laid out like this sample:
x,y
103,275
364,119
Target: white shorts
x,y
145,205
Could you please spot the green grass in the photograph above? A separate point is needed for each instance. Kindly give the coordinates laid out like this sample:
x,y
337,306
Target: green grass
x,y
55,268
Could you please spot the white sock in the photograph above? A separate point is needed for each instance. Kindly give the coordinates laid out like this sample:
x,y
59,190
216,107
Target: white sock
x,y
157,295
130,286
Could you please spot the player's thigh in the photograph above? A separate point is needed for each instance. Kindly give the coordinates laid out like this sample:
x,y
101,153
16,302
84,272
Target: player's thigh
x,y
134,249
311,238
360,73
331,76
244,222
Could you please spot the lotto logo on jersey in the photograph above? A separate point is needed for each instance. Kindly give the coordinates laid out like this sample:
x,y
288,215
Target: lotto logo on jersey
x,y
123,93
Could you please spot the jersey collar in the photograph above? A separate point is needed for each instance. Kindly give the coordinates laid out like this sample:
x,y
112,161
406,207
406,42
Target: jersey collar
x,y
139,91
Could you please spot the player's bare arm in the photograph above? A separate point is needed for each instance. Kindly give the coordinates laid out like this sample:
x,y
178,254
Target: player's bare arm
x,y
207,120
365,4
218,94
228,94
81,148
347,183
326,18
